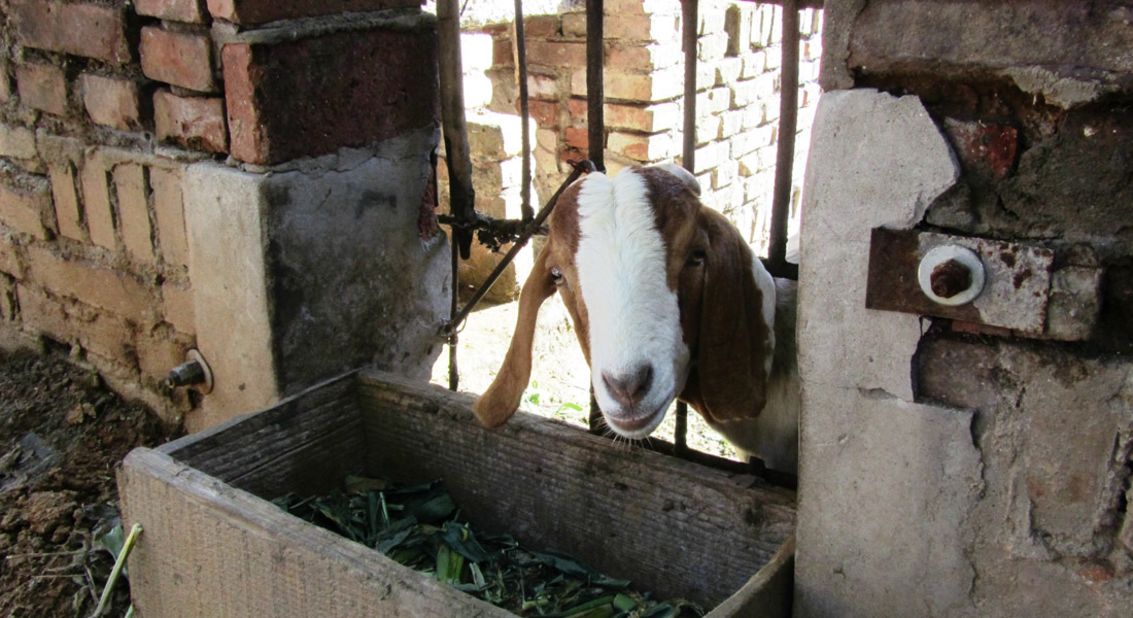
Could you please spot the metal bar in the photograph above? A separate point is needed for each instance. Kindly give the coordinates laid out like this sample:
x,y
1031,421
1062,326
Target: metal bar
x,y
453,372
595,93
595,422
680,434
802,4
785,155
520,242
462,197
525,120
689,26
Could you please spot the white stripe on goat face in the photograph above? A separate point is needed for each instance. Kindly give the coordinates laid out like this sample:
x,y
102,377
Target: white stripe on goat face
x,y
638,358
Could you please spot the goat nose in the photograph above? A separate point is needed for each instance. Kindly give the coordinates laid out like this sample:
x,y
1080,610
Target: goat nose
x,y
630,387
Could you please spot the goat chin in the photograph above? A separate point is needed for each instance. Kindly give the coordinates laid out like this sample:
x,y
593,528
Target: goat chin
x,y
773,436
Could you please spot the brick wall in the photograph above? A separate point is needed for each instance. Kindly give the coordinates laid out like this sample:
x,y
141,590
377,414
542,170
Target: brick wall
x,y
104,106
739,53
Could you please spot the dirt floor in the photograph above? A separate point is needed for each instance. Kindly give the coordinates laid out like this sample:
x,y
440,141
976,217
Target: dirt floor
x,y
62,433
560,377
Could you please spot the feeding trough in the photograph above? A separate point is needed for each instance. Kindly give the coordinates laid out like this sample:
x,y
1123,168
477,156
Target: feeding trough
x,y
215,545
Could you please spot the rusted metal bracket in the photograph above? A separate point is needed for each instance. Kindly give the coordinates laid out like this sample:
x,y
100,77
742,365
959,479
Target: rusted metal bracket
x,y
1005,285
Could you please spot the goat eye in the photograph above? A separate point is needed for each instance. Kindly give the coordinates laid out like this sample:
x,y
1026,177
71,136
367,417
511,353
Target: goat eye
x,y
696,258
557,276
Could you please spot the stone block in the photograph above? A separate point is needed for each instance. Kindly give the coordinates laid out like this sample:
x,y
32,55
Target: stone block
x,y
132,192
10,262
65,194
187,11
180,58
43,87
93,284
169,216
193,122
332,254
314,95
79,28
96,203
26,208
111,101
249,12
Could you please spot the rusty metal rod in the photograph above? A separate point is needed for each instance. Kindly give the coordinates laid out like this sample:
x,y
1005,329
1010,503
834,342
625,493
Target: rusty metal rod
x,y
595,92
524,115
520,242
785,154
689,26
462,197
453,372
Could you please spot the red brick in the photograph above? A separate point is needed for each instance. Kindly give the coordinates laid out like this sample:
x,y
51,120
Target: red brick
x,y
81,29
178,58
313,96
544,113
169,214
502,54
66,198
177,306
101,287
556,53
189,11
579,111
43,87
193,122
24,209
133,210
261,11
111,101
96,205
540,26
575,137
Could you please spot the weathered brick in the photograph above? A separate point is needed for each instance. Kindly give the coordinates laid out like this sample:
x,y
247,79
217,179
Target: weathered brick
x,y
644,148
133,210
709,21
261,11
713,101
9,258
66,198
177,307
169,214
179,58
643,28
575,137
25,209
631,57
42,86
83,29
188,11
313,96
502,53
574,24
541,86
544,113
17,142
728,71
541,26
658,86
158,352
712,47
9,309
98,332
647,118
90,283
5,81
709,156
707,130
96,204
755,64
193,122
111,101
556,53
737,24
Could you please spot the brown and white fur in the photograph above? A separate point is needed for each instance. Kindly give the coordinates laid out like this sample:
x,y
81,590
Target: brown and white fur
x,y
667,301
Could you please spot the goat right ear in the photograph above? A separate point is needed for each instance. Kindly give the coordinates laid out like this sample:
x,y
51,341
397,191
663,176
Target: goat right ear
x,y
501,400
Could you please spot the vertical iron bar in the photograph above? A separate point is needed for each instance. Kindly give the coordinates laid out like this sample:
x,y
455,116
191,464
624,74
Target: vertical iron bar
x,y
595,93
453,373
785,155
462,197
680,434
521,77
689,18
595,419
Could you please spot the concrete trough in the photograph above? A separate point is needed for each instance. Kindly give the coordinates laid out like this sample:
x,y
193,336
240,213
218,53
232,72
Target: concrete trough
x,y
214,545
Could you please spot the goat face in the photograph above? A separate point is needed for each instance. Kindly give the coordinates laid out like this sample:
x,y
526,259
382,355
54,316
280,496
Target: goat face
x,y
666,298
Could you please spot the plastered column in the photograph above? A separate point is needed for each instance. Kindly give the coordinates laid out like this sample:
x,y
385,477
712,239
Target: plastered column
x,y
885,483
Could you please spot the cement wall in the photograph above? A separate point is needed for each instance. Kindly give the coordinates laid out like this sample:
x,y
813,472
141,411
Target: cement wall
x,y
176,174
951,468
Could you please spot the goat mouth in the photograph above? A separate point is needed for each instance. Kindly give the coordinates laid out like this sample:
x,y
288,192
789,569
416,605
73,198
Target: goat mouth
x,y
637,426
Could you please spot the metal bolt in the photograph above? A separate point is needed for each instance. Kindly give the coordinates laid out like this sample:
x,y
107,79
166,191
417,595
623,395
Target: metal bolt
x,y
950,278
186,374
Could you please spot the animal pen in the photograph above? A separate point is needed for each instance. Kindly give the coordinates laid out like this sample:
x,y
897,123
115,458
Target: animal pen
x,y
252,185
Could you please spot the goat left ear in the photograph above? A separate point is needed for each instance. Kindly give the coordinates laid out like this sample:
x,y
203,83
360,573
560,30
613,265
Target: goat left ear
x,y
735,341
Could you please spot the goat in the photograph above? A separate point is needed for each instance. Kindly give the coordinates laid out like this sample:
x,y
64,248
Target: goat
x,y
667,301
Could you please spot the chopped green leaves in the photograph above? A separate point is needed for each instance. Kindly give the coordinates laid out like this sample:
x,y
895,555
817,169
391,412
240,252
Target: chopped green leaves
x,y
419,526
